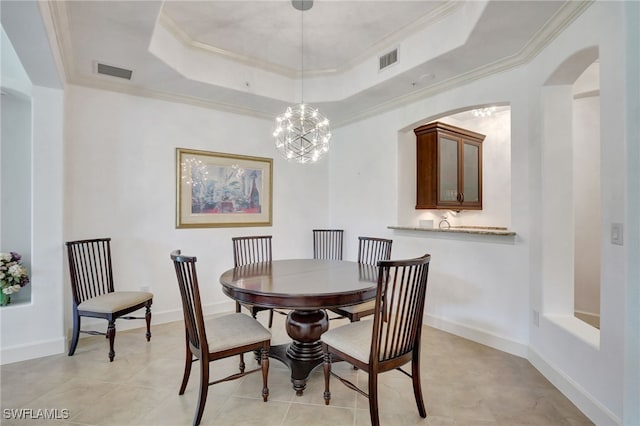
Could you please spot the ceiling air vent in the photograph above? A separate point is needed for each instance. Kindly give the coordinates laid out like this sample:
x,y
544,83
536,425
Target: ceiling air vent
x,y
388,59
114,71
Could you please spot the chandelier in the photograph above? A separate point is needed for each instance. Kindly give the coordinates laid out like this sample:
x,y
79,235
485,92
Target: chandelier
x,y
302,133
483,112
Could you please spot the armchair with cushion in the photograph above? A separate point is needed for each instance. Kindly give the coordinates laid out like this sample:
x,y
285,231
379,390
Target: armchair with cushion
x,y
94,294
216,338
391,339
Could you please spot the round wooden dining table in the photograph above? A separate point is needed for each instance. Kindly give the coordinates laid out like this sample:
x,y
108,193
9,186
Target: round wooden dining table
x,y
307,287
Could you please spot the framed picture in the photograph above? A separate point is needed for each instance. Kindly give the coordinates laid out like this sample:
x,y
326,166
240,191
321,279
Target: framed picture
x,y
222,190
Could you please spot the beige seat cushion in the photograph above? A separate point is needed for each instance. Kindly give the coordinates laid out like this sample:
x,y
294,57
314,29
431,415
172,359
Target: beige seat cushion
x,y
114,302
233,330
354,339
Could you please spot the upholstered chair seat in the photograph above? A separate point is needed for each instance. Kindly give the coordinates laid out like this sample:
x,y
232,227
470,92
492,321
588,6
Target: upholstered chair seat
x,y
232,331
114,302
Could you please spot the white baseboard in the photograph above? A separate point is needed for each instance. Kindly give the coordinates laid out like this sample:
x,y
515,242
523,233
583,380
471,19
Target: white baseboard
x,y
32,350
586,403
57,346
588,317
477,335
594,410
156,318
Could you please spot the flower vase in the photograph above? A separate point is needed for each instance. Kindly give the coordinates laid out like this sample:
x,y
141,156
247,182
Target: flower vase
x,y
5,299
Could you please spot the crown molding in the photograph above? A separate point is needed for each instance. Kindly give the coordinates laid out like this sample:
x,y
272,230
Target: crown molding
x,y
55,44
556,24
113,86
185,39
440,12
61,23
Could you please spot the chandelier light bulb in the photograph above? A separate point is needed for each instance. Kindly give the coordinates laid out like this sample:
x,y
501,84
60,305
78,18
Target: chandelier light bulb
x,y
483,112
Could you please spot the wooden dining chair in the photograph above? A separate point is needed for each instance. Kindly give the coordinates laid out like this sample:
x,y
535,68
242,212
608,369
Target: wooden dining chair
x,y
370,251
391,339
94,294
219,337
247,250
327,243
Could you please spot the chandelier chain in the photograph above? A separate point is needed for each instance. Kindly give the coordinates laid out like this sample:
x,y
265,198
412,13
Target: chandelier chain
x,y
301,56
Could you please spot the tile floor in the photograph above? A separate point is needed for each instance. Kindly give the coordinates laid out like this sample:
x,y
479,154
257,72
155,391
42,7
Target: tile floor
x,y
464,383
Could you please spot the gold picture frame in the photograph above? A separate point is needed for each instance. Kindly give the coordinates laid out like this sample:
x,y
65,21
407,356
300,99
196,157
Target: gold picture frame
x,y
215,189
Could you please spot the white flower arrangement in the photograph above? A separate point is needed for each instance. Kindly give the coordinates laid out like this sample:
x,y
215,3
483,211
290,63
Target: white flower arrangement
x,y
13,275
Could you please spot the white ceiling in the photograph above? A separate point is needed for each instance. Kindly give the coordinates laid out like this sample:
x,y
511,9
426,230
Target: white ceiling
x,y
246,56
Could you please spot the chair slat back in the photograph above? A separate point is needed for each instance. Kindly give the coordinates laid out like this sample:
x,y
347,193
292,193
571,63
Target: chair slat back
x,y
90,268
371,250
187,276
253,249
327,243
397,326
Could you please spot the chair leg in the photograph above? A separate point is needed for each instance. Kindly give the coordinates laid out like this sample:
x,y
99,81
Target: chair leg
x,y
373,398
354,319
111,335
238,307
417,388
326,366
204,389
242,365
270,317
265,372
147,317
188,361
76,333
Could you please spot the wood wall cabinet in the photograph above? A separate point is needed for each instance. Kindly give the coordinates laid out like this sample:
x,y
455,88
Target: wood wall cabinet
x,y
449,167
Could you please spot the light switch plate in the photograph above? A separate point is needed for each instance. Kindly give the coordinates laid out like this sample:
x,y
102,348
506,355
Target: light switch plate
x,y
616,233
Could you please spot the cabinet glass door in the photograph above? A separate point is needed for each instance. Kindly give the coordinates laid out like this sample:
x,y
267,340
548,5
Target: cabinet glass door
x,y
448,173
471,174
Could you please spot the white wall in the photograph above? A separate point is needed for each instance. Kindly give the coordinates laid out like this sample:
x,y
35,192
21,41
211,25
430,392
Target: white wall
x,y
491,289
35,329
595,366
487,298
40,330
587,201
631,407
120,181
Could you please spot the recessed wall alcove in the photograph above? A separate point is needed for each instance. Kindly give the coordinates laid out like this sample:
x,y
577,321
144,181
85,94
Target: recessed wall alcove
x,y
571,216
15,173
496,166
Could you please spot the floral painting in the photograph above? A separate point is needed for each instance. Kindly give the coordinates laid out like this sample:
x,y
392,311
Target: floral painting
x,y
216,189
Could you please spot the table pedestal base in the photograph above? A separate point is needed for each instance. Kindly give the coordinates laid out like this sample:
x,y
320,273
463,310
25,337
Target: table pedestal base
x,y
304,353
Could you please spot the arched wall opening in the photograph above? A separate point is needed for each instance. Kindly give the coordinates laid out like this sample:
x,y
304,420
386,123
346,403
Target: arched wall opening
x,y
571,213
16,104
496,169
